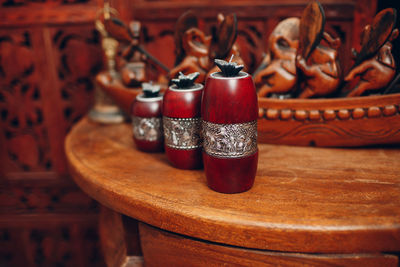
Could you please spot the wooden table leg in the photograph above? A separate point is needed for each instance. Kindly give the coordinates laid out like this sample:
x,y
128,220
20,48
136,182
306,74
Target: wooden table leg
x,y
112,237
113,234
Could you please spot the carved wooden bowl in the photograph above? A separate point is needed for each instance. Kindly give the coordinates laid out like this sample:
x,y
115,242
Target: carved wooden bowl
x,y
338,122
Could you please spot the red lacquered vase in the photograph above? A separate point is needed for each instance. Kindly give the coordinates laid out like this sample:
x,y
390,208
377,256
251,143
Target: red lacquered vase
x,y
229,112
146,114
182,123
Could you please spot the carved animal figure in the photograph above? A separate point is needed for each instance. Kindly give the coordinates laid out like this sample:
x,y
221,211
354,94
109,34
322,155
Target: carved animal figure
x,y
196,47
277,72
375,73
223,45
321,71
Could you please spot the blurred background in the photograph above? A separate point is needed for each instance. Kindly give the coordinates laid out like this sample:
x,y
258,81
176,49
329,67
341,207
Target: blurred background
x,y
50,53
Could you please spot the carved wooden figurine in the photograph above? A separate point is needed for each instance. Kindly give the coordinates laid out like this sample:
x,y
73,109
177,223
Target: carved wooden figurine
x,y
133,73
223,43
375,72
104,109
277,72
318,64
192,48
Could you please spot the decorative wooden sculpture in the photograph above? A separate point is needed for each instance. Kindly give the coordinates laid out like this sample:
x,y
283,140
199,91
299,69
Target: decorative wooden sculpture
x,y
192,47
133,73
374,64
345,122
229,123
277,72
104,109
318,64
223,43
182,122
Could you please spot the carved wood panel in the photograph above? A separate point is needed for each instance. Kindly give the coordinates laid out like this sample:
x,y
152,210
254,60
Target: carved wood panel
x,y
45,222
46,84
78,58
20,3
39,93
24,133
72,242
44,197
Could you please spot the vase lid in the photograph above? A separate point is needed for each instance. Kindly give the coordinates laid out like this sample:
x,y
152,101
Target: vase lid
x,y
185,82
150,89
229,68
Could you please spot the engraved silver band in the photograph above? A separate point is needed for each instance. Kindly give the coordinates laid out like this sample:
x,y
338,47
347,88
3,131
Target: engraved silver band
x,y
147,129
182,133
230,140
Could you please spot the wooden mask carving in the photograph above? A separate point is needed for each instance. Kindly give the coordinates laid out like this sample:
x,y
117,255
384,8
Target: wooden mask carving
x,y
277,72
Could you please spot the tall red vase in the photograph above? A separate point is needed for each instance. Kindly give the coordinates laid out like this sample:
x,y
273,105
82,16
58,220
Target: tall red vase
x,y
229,111
182,126
147,123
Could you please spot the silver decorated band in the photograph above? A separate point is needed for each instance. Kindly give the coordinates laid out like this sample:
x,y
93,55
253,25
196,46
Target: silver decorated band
x,y
230,140
147,129
182,133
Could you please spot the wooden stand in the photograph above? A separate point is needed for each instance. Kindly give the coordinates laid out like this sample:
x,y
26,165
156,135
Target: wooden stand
x,y
307,206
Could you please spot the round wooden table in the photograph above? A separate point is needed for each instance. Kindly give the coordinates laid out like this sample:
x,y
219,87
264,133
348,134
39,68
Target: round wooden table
x,y
308,204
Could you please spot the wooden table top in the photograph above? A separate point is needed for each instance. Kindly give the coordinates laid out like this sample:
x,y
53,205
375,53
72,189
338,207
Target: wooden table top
x,y
304,199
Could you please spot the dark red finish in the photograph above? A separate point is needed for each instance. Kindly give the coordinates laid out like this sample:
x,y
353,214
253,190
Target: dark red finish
x,y
230,175
148,109
184,103
229,100
187,159
149,146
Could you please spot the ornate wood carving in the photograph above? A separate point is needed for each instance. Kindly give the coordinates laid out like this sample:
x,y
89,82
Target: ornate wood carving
x,y
256,19
31,199
46,84
374,63
277,72
22,117
77,59
20,3
57,244
331,122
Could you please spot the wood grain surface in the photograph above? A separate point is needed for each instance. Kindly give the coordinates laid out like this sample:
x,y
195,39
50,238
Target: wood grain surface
x,y
162,248
303,200
112,237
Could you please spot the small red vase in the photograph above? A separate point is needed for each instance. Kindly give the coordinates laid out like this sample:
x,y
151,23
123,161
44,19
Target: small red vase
x,y
182,126
147,123
229,112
